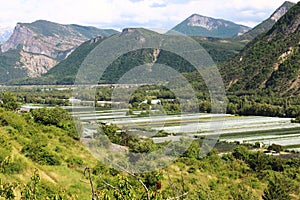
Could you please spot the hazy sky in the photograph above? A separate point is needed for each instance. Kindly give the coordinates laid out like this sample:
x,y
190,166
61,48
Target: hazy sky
x,y
119,14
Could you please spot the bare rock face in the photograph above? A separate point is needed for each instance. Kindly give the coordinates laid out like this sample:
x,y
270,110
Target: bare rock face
x,y
53,46
43,44
39,53
95,40
279,12
36,64
204,22
133,32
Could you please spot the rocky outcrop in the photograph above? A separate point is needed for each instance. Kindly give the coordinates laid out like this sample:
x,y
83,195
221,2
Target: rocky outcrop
x,y
281,11
35,64
54,46
135,32
204,22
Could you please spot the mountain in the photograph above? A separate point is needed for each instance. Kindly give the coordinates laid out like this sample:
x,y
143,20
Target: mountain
x,y
268,23
5,33
271,61
64,73
41,45
197,25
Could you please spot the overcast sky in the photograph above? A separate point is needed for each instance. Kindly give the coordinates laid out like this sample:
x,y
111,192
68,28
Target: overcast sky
x,y
118,14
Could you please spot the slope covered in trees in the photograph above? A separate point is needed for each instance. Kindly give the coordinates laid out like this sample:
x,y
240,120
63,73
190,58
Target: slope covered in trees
x,y
65,72
266,24
271,61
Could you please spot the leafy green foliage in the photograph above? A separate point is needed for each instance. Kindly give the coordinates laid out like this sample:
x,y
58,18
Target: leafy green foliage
x,y
26,145
275,147
57,117
258,161
297,120
277,189
7,190
39,153
9,101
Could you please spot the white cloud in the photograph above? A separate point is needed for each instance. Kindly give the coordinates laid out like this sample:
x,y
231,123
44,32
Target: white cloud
x,y
124,13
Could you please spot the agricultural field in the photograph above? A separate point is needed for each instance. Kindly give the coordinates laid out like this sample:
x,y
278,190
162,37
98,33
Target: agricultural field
x,y
229,128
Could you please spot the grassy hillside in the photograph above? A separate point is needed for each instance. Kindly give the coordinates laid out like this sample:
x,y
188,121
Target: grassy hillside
x,y
28,146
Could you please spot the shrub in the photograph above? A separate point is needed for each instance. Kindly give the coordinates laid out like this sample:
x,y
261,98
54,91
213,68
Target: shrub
x,y
11,166
57,117
40,154
275,147
74,162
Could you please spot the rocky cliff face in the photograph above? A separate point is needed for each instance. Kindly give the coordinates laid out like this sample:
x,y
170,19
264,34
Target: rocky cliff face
x,y
43,44
209,23
54,46
35,64
281,11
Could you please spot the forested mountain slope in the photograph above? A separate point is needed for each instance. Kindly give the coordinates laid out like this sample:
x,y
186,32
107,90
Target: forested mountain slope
x,y
266,24
271,62
65,72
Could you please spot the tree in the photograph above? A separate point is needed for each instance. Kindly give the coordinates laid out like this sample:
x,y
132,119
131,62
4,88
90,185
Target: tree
x,y
9,101
241,153
278,189
58,117
275,147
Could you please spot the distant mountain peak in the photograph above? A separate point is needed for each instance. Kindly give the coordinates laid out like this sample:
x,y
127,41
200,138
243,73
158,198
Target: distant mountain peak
x,y
199,25
204,22
136,33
